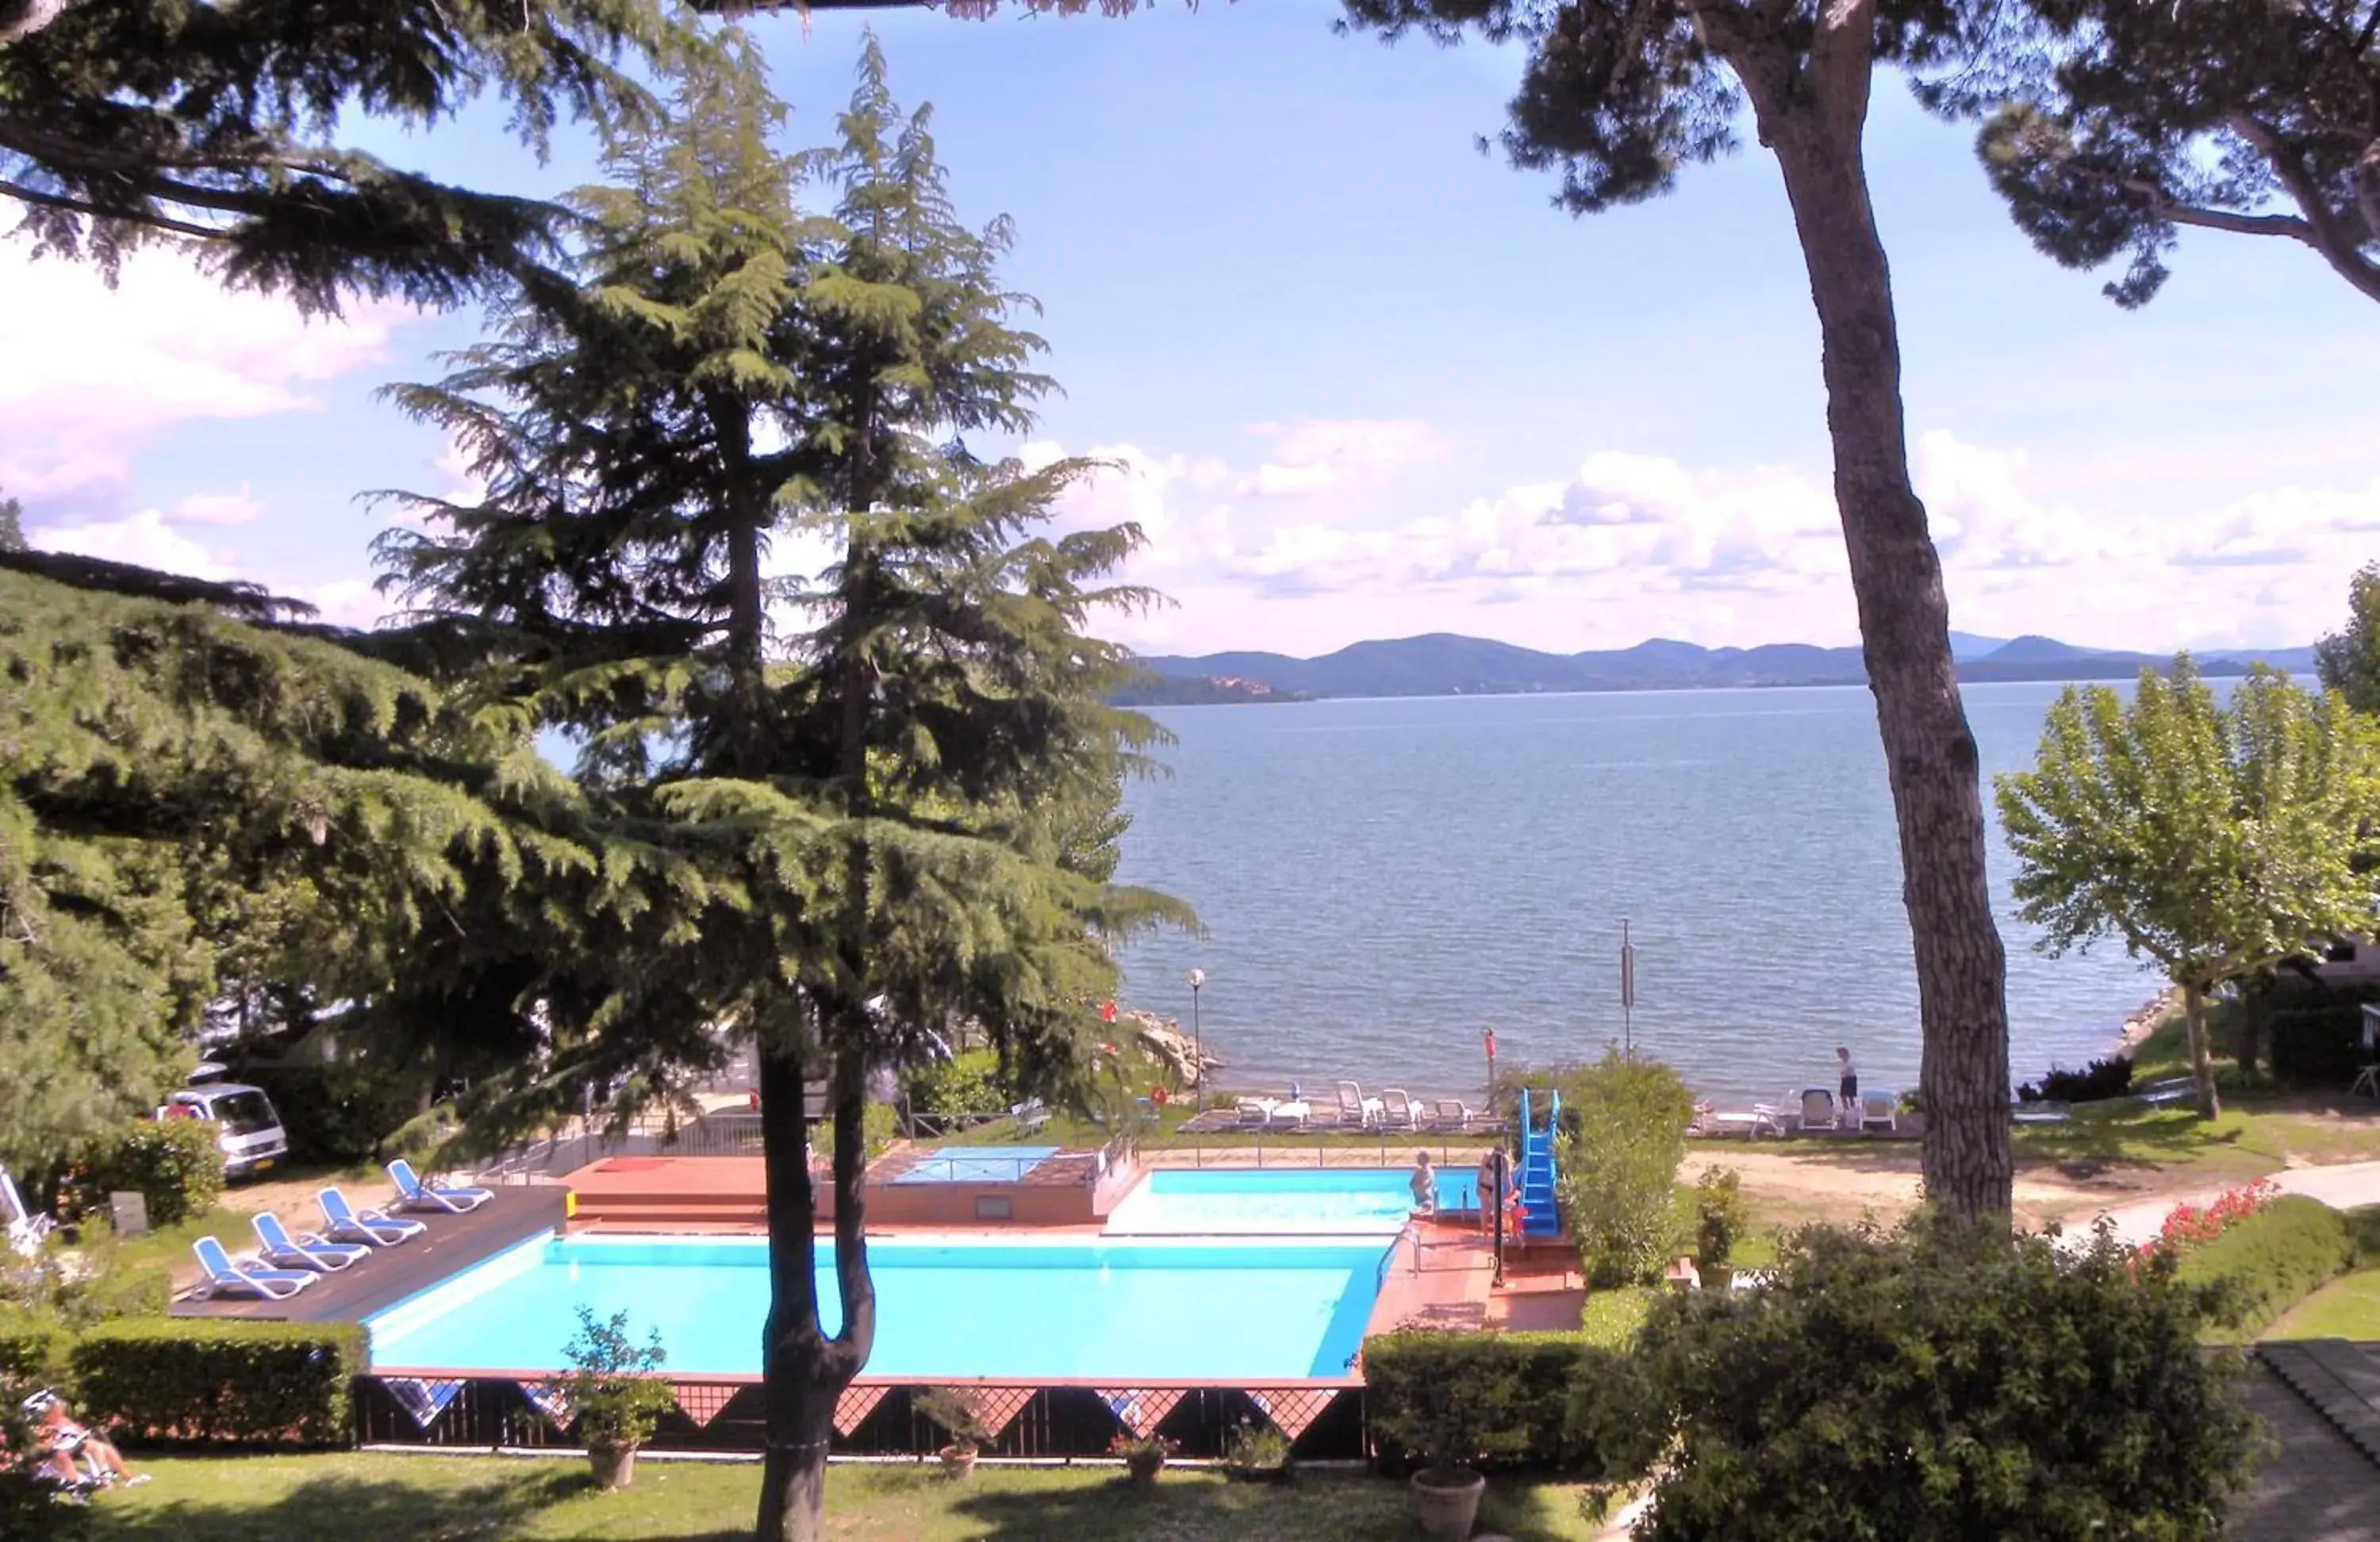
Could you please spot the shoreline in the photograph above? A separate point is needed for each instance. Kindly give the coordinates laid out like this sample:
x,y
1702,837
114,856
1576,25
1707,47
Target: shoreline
x,y
2144,1020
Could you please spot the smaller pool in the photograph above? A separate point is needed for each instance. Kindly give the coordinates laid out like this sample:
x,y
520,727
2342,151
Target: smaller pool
x,y
978,1164
1307,1202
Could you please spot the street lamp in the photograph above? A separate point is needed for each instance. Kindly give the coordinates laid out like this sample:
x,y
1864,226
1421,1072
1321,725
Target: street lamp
x,y
1197,1041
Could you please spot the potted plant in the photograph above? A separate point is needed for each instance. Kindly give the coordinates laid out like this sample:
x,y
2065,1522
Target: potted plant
x,y
1143,1455
956,1418
1256,1453
1458,1409
1720,1219
614,1384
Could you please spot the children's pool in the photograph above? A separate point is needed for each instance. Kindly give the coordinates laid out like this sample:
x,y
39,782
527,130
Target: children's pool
x,y
947,1307
1307,1202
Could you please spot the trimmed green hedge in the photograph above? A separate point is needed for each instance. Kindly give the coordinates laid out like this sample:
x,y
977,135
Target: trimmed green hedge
x,y
1553,1402
216,1382
2268,1262
33,1348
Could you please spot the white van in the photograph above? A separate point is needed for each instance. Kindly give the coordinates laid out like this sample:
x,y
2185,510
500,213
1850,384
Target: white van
x,y
251,1138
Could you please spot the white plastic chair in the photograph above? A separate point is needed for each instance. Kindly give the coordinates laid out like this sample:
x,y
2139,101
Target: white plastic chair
x,y
1397,1111
1818,1108
1878,1111
1354,1105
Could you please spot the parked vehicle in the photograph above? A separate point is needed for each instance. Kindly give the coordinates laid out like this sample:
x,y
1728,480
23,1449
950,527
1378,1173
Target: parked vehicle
x,y
251,1138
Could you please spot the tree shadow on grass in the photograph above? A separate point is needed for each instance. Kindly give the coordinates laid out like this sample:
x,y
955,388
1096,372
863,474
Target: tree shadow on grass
x,y
2095,1144
340,1509
1203,1507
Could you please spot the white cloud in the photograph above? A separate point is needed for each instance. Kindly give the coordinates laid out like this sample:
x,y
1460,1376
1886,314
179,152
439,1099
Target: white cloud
x,y
144,540
218,508
89,375
1633,545
1316,455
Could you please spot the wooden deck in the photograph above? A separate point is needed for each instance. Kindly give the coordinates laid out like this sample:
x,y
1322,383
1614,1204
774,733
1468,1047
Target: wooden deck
x,y
453,1242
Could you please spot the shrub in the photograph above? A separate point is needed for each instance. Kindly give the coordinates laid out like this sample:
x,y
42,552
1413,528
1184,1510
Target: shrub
x,y
30,1507
1613,1318
1721,1215
947,1411
1943,1381
2111,1077
174,1164
2266,1263
220,1381
613,1381
1253,1449
1550,1402
33,1348
966,1082
338,1113
1619,1165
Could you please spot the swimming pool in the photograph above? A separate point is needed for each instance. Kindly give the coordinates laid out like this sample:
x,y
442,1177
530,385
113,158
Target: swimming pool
x,y
977,1164
1315,1202
1025,1309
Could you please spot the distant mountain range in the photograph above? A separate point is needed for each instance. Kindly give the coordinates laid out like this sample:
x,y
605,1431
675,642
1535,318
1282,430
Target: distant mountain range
x,y
1445,664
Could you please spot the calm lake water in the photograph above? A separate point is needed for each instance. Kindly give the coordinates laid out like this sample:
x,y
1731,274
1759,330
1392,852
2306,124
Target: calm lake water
x,y
1380,880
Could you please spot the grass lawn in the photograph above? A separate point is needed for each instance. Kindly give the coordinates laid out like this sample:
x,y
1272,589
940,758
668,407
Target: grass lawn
x,y
2349,1307
308,1498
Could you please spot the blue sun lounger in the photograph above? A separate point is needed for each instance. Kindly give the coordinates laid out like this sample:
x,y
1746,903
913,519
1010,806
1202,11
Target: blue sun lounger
x,y
415,1195
225,1278
306,1250
343,1222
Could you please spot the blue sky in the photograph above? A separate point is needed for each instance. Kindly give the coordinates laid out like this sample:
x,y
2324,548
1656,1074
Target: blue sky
x,y
1363,380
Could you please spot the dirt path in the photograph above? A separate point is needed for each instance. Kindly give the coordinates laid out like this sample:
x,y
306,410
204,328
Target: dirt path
x,y
1882,1181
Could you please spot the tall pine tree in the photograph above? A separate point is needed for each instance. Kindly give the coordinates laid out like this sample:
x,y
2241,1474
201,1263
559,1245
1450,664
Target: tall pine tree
x,y
900,771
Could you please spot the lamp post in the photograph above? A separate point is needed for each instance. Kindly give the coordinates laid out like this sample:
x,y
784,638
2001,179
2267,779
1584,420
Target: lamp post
x,y
1197,1041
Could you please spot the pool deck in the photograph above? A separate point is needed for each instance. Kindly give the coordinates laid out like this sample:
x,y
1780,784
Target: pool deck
x,y
454,1243
729,1195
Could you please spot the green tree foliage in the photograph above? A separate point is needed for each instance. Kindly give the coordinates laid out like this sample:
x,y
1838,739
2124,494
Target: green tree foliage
x,y
2215,839
1625,1119
1618,95
1938,1382
2110,125
894,780
2349,660
156,757
12,524
217,124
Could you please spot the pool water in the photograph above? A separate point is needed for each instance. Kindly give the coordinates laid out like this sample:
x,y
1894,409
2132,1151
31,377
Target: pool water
x,y
1313,1202
978,1164
1027,1309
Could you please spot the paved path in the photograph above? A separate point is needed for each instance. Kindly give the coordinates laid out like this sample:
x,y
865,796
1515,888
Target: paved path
x,y
2342,1186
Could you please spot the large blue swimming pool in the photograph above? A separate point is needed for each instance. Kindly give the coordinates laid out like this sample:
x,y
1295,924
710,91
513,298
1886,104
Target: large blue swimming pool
x,y
947,1306
1312,1202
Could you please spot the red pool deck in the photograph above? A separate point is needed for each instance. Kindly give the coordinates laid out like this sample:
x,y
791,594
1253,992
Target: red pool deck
x,y
730,1195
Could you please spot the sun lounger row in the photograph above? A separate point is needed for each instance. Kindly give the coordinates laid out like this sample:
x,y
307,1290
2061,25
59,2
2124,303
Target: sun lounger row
x,y
1348,1109
287,1262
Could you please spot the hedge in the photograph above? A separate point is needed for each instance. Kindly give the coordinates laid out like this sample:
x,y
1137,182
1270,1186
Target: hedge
x,y
217,1381
1564,1404
33,1348
2268,1262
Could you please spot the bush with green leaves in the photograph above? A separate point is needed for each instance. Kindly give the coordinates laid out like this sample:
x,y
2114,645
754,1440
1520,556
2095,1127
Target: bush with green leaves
x,y
966,1082
219,1381
1538,1402
342,1111
1942,1381
174,1164
613,1383
1721,1215
2265,1263
1624,1121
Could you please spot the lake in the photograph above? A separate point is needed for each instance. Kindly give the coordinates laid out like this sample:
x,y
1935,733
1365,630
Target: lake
x,y
1381,879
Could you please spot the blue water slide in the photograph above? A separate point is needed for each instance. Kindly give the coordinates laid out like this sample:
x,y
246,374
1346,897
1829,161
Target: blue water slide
x,y
1538,1167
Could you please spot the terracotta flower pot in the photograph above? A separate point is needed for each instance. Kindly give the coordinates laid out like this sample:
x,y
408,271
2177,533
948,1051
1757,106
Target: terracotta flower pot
x,y
957,1462
614,1467
1715,1277
1144,1466
1447,1501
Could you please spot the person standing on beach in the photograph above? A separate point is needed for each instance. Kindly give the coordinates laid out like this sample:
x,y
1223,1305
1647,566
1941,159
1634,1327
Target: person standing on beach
x,y
1849,1074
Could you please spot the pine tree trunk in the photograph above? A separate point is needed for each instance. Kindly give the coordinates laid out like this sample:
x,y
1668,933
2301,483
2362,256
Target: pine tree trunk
x,y
803,1372
1812,114
2201,1063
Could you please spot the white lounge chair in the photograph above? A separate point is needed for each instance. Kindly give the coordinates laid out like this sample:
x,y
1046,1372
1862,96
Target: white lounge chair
x,y
309,1250
25,1230
1397,1111
1818,1108
414,1195
227,1278
1450,1113
1255,1114
344,1222
1292,1115
1879,1110
1352,1105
